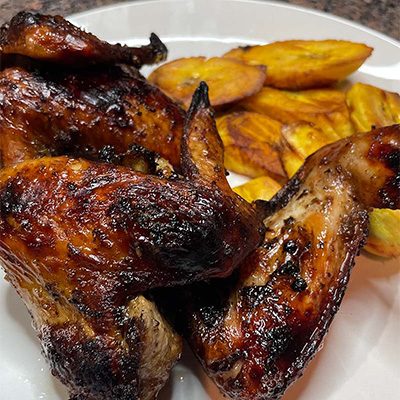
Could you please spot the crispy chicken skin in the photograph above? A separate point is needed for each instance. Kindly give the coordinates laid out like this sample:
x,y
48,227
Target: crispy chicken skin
x,y
53,39
256,331
55,113
83,104
80,240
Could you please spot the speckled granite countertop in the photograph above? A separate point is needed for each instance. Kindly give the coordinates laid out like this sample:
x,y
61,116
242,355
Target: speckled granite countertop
x,y
382,15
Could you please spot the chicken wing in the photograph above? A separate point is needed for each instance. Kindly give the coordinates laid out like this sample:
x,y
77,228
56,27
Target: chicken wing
x,y
80,240
53,39
50,113
256,331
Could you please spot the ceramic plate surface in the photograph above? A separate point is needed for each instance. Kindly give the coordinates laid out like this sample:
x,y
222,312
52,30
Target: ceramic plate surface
x,y
361,356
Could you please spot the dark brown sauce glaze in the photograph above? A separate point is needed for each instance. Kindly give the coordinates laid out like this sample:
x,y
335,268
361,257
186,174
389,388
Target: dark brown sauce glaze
x,y
141,231
80,241
47,113
256,332
54,39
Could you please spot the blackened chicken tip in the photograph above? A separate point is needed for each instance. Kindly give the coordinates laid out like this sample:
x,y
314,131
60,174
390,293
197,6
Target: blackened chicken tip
x,y
159,47
200,98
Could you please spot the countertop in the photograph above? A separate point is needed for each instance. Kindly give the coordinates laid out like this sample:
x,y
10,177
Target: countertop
x,y
381,15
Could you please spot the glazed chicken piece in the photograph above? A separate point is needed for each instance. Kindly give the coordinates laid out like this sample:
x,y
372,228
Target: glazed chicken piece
x,y
54,113
79,241
53,39
255,332
48,110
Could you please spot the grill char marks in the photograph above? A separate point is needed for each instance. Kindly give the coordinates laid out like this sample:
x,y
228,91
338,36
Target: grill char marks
x,y
80,241
96,363
272,317
55,113
154,232
53,39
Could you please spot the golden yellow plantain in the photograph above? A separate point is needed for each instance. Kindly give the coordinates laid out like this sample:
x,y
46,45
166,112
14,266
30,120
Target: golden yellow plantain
x,y
299,140
325,108
229,81
300,64
261,188
251,144
370,106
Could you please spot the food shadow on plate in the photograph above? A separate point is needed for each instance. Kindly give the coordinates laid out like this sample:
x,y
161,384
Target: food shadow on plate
x,y
189,381
58,388
19,313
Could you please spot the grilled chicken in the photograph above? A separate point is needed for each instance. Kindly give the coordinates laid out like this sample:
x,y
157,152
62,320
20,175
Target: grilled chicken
x,y
55,113
80,102
81,240
256,331
53,39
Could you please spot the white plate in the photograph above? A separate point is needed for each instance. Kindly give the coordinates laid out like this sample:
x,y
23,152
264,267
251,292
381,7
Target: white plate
x,y
361,357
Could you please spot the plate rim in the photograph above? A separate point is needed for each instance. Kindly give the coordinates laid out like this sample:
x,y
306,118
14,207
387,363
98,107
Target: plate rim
x,y
276,4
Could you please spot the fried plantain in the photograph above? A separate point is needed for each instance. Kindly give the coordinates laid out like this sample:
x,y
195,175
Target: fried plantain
x,y
325,108
299,140
300,64
261,188
230,81
251,144
290,159
384,233
370,106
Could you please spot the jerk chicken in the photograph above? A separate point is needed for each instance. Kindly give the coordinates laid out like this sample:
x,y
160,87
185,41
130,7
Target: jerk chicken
x,y
80,240
53,39
256,331
83,241
107,351
48,110
50,114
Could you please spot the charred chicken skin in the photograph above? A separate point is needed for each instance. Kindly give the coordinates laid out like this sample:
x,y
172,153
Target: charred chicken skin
x,y
50,114
84,103
80,240
116,351
256,331
53,39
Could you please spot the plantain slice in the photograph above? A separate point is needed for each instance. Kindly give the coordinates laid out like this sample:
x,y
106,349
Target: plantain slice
x,y
299,140
251,144
384,233
300,64
304,137
229,81
370,105
261,188
325,108
290,159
